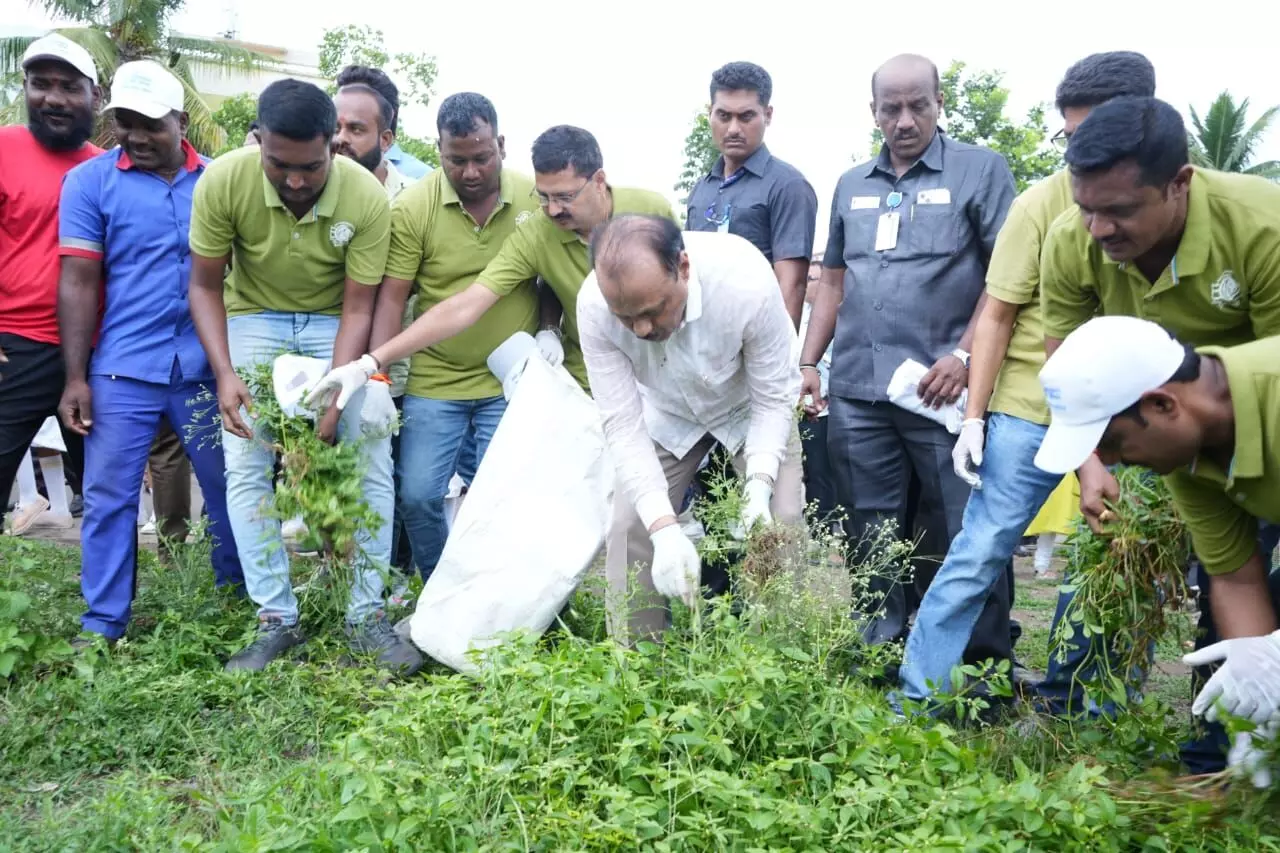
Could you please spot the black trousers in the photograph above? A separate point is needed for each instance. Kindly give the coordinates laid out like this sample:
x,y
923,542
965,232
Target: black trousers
x,y
819,478
30,389
876,449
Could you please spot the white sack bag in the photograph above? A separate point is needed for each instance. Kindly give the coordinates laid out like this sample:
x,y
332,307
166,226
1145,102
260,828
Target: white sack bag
x,y
49,436
532,522
902,392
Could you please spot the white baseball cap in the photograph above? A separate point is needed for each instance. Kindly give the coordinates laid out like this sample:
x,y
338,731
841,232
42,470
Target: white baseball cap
x,y
146,87
1101,369
58,48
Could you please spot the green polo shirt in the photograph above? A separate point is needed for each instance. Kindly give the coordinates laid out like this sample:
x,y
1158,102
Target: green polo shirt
x,y
280,262
541,248
1221,508
1222,287
1013,276
438,246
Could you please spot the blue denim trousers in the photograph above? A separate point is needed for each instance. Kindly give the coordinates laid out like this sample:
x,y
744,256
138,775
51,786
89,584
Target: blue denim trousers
x,y
1013,490
256,338
437,439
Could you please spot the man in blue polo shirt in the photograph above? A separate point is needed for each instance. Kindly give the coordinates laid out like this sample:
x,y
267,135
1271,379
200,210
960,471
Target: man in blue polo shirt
x,y
122,233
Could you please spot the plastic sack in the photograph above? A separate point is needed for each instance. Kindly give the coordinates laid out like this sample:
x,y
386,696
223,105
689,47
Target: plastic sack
x,y
533,519
292,376
902,392
49,437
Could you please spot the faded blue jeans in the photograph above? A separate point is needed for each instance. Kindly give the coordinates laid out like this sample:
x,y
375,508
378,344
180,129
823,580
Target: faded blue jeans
x,y
1013,490
438,438
261,337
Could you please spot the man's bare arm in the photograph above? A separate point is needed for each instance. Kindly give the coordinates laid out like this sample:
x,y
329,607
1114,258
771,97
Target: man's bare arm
x,y
1241,602
209,312
990,345
388,313
441,322
79,289
793,281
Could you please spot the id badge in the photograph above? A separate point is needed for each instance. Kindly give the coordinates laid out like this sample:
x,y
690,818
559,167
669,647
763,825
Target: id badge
x,y
887,231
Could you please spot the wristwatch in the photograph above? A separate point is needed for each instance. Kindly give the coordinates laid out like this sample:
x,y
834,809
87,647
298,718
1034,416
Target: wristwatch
x,y
962,355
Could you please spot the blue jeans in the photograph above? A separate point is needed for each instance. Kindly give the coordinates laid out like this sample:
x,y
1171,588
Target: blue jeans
x,y
1013,490
126,414
437,438
261,337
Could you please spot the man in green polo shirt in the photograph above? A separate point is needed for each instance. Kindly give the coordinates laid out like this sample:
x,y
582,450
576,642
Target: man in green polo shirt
x,y
1007,352
444,231
575,197
1208,419
308,236
1194,250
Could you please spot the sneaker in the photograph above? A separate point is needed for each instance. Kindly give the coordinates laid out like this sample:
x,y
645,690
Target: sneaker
x,y
375,636
51,521
25,515
149,529
273,640
76,506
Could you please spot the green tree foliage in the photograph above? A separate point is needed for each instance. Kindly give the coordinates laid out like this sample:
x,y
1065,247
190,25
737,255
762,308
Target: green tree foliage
x,y
1225,140
234,115
119,31
974,106
699,152
414,73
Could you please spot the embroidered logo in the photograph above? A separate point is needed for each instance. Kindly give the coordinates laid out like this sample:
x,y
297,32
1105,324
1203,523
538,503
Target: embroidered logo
x,y
340,233
522,216
1225,291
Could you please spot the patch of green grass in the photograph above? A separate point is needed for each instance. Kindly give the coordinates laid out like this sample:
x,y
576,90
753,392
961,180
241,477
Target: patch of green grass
x,y
737,734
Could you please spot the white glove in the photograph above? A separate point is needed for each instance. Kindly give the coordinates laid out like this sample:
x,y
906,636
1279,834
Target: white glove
x,y
378,415
550,346
341,382
966,456
677,569
1250,753
1246,685
756,496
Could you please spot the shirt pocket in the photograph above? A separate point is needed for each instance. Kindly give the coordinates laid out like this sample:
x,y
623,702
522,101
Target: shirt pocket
x,y
935,229
860,232
751,222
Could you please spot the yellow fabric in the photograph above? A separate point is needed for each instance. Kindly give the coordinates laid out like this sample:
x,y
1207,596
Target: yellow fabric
x,y
1013,276
1060,510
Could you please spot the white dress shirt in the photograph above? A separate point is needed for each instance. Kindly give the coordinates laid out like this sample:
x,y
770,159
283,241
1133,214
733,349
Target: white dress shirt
x,y
729,370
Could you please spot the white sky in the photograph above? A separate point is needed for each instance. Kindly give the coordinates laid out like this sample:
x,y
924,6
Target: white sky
x,y
552,63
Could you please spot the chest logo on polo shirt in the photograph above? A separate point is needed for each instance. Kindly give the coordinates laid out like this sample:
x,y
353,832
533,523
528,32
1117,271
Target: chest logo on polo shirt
x,y
340,233
1225,292
523,216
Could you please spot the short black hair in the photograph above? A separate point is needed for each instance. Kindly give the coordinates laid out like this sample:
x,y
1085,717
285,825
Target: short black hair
x,y
460,113
1100,77
377,80
386,112
1188,371
297,110
915,57
562,146
1145,130
742,76
610,248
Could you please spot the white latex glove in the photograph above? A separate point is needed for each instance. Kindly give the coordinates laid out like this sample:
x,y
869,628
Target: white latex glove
x,y
550,346
677,569
756,496
341,382
1249,755
966,456
378,414
1246,685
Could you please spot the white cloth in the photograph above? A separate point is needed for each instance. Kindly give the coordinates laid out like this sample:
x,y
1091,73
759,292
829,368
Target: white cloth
x,y
729,370
49,436
902,392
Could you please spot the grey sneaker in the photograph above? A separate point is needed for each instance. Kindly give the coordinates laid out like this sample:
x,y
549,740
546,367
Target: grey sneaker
x,y
272,641
376,637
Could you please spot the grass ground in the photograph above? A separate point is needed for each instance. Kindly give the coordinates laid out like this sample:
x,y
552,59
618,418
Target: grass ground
x,y
731,737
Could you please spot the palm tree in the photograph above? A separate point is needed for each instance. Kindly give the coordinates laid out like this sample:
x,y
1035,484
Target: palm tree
x,y
119,31
1226,141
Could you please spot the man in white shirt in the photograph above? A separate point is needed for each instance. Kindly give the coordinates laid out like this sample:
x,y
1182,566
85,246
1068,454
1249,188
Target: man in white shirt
x,y
697,320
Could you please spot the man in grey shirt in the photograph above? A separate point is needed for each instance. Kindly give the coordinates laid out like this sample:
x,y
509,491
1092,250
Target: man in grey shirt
x,y
911,234
750,192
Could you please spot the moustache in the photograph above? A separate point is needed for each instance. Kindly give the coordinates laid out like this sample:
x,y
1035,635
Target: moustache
x,y
734,139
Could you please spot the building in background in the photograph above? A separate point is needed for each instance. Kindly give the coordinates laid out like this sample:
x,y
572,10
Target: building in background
x,y
216,85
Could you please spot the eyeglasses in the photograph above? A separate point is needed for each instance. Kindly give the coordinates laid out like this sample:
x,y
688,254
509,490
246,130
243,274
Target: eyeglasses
x,y
562,199
1061,139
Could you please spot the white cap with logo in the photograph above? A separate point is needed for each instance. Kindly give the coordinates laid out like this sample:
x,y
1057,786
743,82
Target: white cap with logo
x,y
58,48
1101,369
146,87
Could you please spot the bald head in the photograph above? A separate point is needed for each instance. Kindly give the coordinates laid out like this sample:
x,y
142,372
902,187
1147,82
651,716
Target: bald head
x,y
906,100
917,68
642,269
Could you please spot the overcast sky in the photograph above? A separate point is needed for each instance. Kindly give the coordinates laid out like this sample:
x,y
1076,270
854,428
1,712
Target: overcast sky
x,y
635,78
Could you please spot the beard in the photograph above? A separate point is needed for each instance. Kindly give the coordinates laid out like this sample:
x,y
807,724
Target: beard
x,y
371,159
76,134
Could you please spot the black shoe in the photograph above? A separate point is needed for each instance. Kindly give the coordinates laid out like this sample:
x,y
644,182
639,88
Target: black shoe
x,y
272,641
76,506
375,636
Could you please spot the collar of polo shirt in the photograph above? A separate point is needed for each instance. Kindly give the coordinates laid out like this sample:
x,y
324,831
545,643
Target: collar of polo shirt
x,y
931,158
448,195
1192,256
1247,461
324,206
756,164
693,302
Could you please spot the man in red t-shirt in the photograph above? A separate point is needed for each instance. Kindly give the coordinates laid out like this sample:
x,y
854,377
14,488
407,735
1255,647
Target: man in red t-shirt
x,y
60,84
